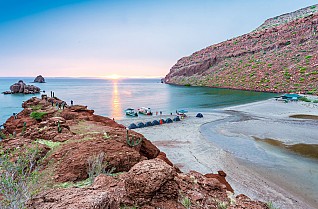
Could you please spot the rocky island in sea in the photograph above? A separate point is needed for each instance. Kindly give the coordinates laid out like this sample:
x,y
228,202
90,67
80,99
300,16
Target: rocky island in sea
x,y
83,160
39,79
22,88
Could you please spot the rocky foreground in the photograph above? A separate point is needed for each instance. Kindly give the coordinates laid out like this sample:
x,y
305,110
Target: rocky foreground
x,y
280,56
139,175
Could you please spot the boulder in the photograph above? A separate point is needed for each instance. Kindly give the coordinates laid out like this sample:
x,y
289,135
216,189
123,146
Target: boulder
x,y
21,87
72,157
146,178
72,198
39,79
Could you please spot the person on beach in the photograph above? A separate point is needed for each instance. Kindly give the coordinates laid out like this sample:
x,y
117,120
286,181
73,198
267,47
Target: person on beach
x,y
71,102
160,112
156,112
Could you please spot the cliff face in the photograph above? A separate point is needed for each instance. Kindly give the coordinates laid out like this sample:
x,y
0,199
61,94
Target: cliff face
x,y
279,56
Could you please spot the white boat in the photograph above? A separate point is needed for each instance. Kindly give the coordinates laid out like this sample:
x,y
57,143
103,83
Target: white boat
x,y
145,111
131,112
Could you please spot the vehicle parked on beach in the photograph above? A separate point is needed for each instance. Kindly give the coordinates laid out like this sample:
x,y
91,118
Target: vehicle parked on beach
x,y
131,112
145,111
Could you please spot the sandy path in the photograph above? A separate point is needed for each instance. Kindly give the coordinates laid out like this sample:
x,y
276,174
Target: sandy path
x,y
187,148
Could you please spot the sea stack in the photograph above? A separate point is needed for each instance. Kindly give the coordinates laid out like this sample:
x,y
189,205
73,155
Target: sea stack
x,y
21,87
39,79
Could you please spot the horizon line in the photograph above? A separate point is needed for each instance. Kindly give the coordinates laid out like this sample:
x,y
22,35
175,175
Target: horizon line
x,y
92,77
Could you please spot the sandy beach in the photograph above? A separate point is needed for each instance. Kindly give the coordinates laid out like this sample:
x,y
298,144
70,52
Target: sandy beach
x,y
189,149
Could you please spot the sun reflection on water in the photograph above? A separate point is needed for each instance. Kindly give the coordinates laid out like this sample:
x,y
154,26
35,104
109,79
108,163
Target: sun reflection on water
x,y
116,106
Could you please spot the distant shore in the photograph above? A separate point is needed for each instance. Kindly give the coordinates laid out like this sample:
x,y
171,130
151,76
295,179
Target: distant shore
x,y
186,147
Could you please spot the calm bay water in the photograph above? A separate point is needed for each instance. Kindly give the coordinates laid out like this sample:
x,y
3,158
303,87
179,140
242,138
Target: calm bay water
x,y
111,97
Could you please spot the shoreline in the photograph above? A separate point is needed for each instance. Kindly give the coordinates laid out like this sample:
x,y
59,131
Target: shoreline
x,y
187,148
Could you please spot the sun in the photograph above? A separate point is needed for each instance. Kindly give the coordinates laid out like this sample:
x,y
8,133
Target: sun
x,y
113,76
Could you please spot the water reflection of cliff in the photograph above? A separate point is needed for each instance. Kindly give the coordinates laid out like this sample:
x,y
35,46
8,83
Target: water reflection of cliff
x,y
116,106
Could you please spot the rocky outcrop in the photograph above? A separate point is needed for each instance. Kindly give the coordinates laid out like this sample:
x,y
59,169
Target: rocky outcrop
x,y
39,79
280,58
21,87
149,184
138,176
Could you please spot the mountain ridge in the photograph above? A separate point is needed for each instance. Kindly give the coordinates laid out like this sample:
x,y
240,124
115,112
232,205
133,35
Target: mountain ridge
x,y
280,58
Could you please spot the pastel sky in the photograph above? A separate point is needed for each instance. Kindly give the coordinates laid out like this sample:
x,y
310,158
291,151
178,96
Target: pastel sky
x,y
130,38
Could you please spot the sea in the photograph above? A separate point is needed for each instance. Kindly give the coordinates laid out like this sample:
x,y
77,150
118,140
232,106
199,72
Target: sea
x,y
111,97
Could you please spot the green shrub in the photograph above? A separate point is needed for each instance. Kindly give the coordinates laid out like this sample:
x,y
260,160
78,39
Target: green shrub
x,y
37,115
2,135
36,107
270,205
80,184
305,99
302,69
48,143
18,177
315,101
59,128
186,202
106,135
98,165
308,57
222,205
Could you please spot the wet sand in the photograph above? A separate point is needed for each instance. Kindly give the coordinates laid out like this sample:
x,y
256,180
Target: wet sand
x,y
186,147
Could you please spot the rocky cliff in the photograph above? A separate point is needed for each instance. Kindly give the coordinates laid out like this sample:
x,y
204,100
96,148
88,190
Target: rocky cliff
x,y
280,56
138,176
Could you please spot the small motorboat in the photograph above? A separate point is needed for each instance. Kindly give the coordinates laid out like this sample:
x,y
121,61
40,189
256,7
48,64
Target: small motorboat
x,y
145,111
131,112
182,113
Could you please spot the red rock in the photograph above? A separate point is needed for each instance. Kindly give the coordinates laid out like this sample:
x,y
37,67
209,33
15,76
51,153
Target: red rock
x,y
263,60
147,177
221,178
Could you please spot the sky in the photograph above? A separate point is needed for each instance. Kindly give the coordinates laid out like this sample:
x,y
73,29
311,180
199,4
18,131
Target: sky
x,y
127,38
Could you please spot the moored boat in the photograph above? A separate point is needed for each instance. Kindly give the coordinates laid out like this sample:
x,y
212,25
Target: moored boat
x,y
145,111
131,112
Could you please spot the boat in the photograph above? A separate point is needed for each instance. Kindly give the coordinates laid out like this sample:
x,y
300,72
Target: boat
x,y
145,111
182,113
131,112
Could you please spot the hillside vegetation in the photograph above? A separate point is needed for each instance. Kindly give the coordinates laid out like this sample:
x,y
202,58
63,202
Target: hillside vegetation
x,y
281,57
